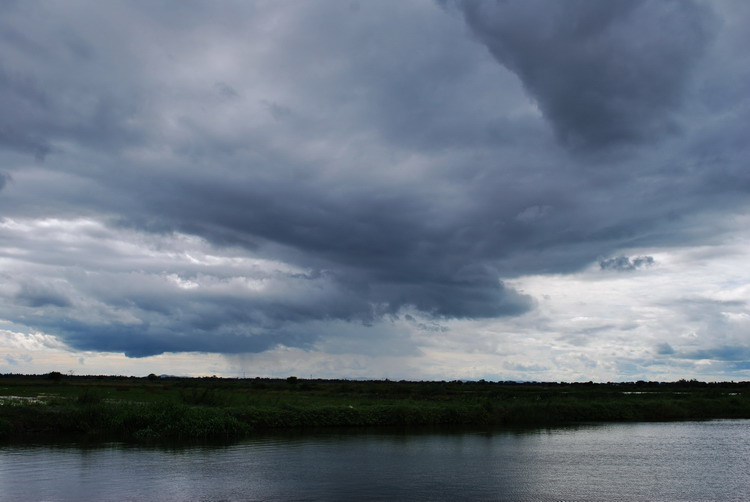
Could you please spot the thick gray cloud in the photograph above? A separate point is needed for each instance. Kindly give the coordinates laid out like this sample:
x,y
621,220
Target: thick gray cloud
x,y
35,294
380,154
602,73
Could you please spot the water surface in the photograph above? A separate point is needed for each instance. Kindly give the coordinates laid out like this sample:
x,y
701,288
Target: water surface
x,y
645,461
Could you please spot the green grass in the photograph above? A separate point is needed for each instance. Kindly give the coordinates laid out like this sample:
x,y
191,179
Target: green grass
x,y
143,409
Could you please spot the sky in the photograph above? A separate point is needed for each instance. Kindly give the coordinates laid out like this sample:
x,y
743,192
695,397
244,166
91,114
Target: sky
x,y
422,189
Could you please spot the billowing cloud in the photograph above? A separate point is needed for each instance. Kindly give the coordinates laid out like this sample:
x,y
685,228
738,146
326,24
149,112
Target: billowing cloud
x,y
256,177
602,73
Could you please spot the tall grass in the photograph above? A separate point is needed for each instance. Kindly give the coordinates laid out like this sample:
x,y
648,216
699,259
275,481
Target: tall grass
x,y
153,410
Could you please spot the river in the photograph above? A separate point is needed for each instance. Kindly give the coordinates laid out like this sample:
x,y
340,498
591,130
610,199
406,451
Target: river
x,y
599,462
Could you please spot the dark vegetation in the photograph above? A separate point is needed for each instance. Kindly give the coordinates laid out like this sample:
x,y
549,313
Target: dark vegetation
x,y
160,408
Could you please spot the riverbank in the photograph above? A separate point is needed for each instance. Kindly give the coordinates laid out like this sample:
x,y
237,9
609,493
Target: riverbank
x,y
153,409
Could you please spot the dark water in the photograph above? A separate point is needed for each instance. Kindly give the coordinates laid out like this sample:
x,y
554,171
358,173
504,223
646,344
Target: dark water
x,y
656,462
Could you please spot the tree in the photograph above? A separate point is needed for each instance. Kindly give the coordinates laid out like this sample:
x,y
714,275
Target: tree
x,y
55,376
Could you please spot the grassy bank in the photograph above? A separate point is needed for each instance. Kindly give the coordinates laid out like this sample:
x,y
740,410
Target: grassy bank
x,y
147,409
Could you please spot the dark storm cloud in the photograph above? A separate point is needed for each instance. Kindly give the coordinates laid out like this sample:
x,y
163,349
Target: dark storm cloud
x,y
379,152
144,314
602,73
145,340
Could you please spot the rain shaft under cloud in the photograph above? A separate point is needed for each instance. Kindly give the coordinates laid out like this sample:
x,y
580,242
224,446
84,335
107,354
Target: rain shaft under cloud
x,y
236,177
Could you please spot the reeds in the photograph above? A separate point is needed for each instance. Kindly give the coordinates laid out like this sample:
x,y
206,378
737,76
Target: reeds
x,y
217,408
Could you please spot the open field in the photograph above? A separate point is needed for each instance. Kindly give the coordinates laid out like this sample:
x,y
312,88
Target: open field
x,y
153,408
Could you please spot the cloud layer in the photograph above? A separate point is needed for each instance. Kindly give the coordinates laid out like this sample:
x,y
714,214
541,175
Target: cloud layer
x,y
241,177
602,74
